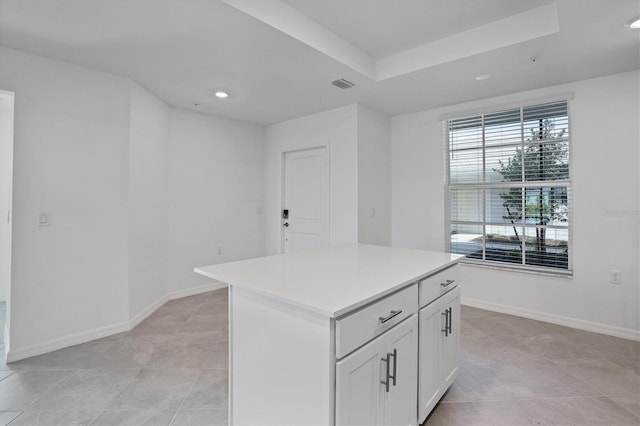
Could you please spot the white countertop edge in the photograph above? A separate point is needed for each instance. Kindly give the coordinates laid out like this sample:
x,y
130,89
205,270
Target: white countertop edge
x,y
331,314
358,305
273,296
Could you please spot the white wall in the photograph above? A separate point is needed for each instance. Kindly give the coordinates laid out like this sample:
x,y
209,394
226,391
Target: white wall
x,y
128,182
374,177
605,173
215,194
337,130
70,159
148,200
417,179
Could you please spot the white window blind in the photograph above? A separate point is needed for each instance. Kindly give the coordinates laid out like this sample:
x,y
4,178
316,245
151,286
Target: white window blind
x,y
509,187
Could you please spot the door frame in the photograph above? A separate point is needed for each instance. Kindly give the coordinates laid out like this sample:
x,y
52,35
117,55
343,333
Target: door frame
x,y
6,193
327,196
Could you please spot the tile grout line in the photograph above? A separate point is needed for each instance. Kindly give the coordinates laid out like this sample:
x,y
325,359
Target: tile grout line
x,y
547,399
589,384
96,417
58,383
185,397
573,375
11,372
482,413
625,408
535,398
15,418
115,396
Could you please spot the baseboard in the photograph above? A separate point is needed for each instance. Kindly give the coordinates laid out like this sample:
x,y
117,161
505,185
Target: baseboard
x,y
66,341
196,290
146,312
625,333
98,333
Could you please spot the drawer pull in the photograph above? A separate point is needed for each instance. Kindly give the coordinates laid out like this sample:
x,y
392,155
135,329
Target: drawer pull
x,y
392,315
445,314
448,321
395,364
447,283
386,383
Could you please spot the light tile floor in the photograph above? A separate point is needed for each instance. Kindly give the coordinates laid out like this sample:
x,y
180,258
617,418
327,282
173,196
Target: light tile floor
x,y
172,369
516,371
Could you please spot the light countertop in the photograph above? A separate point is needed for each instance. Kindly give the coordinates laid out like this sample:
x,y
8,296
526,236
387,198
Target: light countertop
x,y
331,281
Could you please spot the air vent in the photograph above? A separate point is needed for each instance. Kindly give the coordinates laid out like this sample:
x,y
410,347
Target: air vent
x,y
343,84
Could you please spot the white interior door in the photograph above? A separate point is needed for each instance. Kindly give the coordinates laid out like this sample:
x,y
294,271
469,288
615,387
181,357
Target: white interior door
x,y
6,189
6,174
306,202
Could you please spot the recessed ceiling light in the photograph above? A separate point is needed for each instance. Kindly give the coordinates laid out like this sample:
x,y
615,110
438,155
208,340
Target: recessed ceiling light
x,y
633,24
481,77
221,94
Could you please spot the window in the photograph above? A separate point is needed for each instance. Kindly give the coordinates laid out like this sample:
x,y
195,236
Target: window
x,y
509,187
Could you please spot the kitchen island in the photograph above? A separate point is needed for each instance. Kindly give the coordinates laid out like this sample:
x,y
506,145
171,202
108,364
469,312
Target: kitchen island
x,y
331,336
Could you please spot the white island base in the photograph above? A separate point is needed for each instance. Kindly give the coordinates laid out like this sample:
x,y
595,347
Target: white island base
x,y
281,363
335,336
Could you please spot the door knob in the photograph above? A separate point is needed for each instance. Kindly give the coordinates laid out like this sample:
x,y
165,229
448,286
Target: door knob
x,y
286,224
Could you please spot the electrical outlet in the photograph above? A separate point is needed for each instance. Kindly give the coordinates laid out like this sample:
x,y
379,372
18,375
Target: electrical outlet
x,y
219,250
615,277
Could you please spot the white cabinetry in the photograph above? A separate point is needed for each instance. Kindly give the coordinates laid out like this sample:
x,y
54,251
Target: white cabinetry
x,y
400,400
450,342
430,383
377,384
311,335
439,339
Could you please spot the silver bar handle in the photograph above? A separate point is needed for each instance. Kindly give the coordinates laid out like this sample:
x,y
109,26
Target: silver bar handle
x,y
391,315
446,322
450,319
447,283
386,383
395,364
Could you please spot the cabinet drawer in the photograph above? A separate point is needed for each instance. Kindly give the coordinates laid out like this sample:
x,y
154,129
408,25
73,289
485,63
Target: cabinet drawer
x,y
358,328
434,286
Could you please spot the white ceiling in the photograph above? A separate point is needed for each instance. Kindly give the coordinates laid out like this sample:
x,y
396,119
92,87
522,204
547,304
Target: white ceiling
x,y
276,57
382,28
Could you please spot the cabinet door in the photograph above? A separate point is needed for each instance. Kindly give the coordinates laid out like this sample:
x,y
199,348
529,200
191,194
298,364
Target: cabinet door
x,y
451,343
432,323
400,402
359,387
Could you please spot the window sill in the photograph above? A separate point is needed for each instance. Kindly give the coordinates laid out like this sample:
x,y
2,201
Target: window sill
x,y
549,272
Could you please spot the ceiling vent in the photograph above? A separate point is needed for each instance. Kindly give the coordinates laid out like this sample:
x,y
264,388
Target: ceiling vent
x,y
343,84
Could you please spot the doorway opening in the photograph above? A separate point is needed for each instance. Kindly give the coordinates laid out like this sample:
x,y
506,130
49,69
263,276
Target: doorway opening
x,y
6,191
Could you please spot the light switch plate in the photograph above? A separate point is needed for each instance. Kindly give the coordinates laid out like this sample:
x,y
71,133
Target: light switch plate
x,y
44,219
